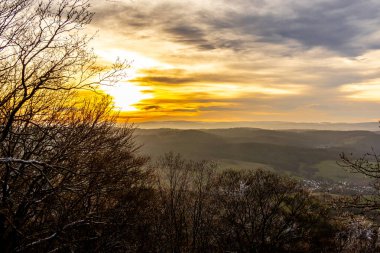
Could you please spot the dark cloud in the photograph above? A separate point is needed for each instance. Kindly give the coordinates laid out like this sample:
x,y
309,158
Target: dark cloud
x,y
185,110
164,80
334,25
242,73
151,107
190,35
337,25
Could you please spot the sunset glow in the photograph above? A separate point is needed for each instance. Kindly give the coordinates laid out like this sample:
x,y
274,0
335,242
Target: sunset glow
x,y
126,95
243,61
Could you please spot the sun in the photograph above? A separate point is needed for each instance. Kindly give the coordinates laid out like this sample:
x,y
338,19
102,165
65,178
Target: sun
x,y
125,95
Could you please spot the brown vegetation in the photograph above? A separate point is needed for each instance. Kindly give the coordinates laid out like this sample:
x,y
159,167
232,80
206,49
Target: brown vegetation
x,y
71,180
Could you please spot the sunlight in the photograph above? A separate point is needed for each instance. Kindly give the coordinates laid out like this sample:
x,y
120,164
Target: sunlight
x,y
362,91
126,94
137,61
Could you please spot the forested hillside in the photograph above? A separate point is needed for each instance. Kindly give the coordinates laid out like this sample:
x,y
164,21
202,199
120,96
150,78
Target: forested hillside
x,y
304,153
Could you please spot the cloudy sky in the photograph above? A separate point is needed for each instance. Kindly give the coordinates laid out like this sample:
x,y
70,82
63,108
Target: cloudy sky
x,y
244,60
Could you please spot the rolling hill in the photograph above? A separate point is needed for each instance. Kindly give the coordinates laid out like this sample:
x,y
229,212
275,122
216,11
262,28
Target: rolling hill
x,y
303,153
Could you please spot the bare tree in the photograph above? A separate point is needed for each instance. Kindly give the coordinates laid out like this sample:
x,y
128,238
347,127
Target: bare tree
x,y
361,234
184,213
69,180
200,209
367,165
42,50
67,171
263,212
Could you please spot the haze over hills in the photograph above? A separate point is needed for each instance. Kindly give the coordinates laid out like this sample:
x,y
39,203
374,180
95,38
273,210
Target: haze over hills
x,y
309,154
279,125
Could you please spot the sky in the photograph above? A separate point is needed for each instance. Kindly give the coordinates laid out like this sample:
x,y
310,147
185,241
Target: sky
x,y
243,60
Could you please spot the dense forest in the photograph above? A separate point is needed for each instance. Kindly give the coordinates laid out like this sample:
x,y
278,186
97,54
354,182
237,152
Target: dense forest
x,y
73,179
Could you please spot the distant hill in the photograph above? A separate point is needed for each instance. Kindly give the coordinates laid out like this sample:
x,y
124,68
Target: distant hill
x,y
279,125
303,153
